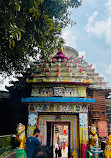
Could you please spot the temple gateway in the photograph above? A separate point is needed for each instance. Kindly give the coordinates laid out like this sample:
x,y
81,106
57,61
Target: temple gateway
x,y
64,94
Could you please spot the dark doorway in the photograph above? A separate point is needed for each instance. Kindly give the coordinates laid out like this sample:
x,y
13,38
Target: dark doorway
x,y
49,133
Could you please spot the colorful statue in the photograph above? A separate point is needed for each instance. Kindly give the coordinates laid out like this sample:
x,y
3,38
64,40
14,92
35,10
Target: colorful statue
x,y
21,134
75,154
93,137
107,150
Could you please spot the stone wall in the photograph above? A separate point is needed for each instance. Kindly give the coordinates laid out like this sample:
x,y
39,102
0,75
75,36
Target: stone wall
x,y
69,51
98,109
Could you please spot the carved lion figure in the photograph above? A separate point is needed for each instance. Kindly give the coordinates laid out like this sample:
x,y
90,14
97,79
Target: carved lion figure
x,y
21,135
107,150
93,137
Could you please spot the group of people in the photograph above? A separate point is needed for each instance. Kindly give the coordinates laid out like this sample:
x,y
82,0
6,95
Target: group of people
x,y
34,148
58,148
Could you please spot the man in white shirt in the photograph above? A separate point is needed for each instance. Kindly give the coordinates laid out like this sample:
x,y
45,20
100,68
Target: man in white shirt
x,y
56,149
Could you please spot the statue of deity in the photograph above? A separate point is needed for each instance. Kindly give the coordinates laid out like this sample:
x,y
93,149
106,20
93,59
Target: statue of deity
x,y
93,137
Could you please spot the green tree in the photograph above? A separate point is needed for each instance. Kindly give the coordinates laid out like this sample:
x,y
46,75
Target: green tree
x,y
25,24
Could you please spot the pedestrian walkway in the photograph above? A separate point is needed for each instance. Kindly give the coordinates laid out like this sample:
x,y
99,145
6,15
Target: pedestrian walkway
x,y
65,152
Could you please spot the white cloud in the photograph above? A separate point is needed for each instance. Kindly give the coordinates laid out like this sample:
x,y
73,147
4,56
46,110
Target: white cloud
x,y
108,6
100,28
70,38
91,18
108,69
83,53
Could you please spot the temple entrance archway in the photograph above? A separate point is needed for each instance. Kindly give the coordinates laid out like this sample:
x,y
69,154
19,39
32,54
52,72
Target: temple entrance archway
x,y
67,124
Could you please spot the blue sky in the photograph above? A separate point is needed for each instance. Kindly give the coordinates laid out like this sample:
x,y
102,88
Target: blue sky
x,y
91,36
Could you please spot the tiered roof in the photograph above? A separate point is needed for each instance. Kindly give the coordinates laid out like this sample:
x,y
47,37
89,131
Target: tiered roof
x,y
68,69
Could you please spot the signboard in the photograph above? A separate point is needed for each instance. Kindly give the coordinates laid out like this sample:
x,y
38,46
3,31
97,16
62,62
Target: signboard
x,y
102,129
58,91
32,119
83,120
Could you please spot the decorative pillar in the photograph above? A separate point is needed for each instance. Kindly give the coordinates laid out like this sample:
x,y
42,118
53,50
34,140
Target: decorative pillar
x,y
32,121
83,133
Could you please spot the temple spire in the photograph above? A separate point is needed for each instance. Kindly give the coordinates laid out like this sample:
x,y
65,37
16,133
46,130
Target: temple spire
x,y
61,55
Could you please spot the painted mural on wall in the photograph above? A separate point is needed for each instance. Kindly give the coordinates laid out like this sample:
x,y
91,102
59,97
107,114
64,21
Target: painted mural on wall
x,y
32,119
30,131
50,107
83,126
59,91
83,120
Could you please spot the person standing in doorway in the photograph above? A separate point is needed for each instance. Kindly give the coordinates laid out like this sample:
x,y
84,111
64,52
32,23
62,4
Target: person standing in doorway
x,y
56,150
32,143
59,152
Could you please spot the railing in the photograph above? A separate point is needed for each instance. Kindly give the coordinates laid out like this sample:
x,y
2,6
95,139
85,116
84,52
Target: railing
x,y
5,143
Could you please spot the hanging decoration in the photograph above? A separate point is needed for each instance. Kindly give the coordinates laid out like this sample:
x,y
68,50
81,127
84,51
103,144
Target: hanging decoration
x,y
89,81
65,59
77,60
87,76
47,69
66,64
48,74
57,69
100,82
58,74
54,59
84,81
84,72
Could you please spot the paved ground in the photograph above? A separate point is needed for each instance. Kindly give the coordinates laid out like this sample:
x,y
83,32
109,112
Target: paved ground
x,y
65,153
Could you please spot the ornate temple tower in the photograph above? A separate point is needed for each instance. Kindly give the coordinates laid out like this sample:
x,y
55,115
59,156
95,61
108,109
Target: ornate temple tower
x,y
66,91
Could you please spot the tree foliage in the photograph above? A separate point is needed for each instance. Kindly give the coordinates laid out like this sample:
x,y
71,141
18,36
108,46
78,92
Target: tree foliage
x,y
25,24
